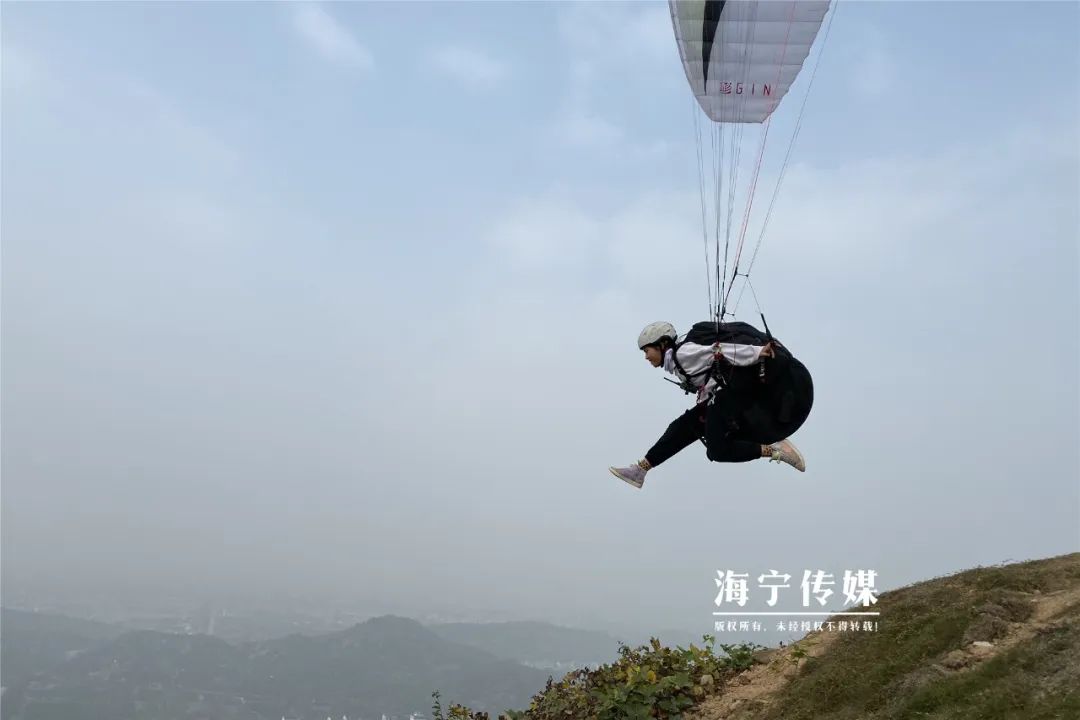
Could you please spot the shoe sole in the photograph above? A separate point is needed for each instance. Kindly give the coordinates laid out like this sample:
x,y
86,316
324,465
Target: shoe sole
x,y
628,482
801,467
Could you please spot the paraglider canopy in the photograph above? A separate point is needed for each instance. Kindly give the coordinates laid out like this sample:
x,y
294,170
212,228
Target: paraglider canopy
x,y
741,57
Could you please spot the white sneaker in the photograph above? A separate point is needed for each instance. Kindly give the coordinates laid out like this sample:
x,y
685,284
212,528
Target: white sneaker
x,y
633,474
785,451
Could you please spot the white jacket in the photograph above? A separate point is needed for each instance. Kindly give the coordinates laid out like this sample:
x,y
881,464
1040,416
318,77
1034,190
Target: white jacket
x,y
696,359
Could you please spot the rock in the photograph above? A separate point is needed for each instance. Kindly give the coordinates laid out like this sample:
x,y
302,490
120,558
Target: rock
x,y
955,660
706,680
766,656
993,609
986,627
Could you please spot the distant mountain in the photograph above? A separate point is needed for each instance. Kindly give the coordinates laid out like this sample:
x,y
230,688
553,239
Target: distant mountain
x,y
533,643
667,636
385,665
33,642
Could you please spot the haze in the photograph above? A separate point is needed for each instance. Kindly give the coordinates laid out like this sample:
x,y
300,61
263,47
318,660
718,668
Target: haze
x,y
338,303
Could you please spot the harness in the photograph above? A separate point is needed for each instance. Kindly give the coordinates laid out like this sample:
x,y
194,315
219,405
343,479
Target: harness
x,y
710,333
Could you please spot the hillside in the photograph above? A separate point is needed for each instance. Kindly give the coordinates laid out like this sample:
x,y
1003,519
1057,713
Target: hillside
x,y
36,642
993,643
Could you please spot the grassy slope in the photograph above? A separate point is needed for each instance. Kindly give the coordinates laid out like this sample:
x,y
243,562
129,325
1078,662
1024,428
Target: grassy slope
x,y
898,672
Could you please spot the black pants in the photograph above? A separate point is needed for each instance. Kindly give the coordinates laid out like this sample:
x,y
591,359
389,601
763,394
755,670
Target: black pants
x,y
715,426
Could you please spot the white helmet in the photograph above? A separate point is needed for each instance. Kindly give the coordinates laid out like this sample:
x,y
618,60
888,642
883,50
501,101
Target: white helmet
x,y
654,331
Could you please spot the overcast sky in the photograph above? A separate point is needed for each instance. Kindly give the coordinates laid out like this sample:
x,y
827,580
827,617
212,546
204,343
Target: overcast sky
x,y
340,300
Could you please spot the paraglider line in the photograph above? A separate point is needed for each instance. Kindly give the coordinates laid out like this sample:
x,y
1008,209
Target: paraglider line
x,y
701,187
733,175
787,156
761,153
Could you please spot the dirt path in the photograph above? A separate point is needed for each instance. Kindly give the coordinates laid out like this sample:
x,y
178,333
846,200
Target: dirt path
x,y
755,688
1044,608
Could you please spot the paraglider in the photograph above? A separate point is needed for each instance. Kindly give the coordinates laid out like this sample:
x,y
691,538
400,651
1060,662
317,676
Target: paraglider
x,y
740,58
752,393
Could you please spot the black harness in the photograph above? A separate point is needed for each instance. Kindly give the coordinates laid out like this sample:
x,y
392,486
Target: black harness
x,y
711,333
773,401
